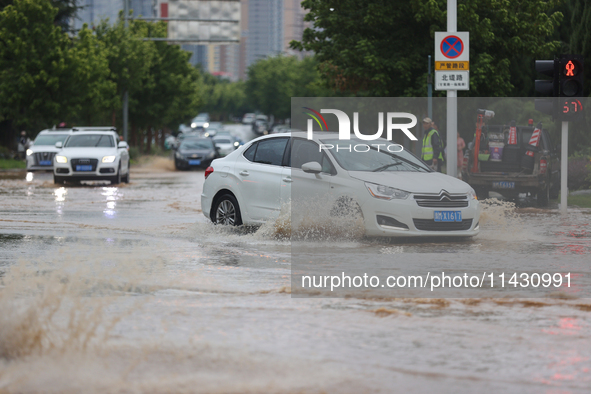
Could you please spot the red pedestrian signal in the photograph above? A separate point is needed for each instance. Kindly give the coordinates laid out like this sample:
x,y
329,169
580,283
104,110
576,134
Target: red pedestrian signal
x,y
570,69
571,77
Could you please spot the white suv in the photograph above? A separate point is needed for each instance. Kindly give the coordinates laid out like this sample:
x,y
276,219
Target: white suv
x,y
91,153
40,154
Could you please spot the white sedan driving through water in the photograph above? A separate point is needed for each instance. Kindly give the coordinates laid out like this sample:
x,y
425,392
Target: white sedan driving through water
x,y
394,191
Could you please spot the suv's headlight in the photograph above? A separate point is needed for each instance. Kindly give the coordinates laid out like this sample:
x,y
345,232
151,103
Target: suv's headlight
x,y
61,159
109,159
472,195
29,152
386,192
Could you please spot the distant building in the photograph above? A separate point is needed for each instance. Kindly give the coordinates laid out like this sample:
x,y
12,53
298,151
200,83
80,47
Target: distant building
x,y
268,26
93,11
266,29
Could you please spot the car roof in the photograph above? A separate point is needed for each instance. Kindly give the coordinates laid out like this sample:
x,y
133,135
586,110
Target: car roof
x,y
87,132
318,135
95,128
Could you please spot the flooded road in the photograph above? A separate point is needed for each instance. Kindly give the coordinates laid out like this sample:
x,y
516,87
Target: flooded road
x,y
131,289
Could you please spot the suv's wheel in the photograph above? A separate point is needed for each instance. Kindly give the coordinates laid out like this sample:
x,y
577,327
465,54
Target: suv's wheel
x,y
58,180
544,196
226,211
126,177
115,180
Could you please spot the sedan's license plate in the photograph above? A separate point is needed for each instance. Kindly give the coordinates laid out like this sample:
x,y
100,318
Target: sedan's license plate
x,y
194,162
84,168
503,185
448,216
45,163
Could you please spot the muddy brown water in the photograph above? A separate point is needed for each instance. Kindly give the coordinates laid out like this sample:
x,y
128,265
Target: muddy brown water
x,y
130,289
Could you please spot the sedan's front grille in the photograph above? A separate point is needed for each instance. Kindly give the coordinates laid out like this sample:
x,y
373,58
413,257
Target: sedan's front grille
x,y
84,162
44,158
432,225
193,157
442,200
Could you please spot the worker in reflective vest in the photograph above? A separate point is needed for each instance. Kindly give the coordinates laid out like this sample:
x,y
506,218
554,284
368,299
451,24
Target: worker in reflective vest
x,y
432,153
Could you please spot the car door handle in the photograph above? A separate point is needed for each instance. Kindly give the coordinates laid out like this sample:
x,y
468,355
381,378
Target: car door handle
x,y
287,179
244,173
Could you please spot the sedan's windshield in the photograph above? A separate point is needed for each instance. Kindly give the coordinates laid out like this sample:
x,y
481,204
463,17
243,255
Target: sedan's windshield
x,y
90,141
193,144
49,139
358,155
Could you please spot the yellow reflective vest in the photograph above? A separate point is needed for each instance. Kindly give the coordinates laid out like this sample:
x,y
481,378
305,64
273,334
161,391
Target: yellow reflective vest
x,y
427,153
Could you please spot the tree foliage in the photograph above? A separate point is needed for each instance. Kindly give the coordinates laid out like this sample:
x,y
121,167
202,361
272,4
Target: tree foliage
x,y
272,82
48,76
380,47
33,63
222,98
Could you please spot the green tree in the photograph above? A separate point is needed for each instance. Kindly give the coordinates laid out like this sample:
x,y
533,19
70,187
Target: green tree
x,y
91,94
66,11
380,47
222,98
272,82
169,91
33,64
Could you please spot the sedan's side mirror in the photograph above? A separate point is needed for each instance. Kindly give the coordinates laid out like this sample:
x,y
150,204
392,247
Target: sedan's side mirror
x,y
59,145
312,167
122,145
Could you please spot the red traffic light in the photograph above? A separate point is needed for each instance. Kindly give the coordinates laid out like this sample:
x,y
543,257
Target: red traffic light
x,y
571,76
571,68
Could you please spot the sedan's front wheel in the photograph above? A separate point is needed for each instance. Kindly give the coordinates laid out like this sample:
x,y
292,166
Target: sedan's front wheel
x,y
226,211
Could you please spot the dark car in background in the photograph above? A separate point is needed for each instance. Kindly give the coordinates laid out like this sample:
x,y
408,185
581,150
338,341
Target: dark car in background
x,y
261,125
195,152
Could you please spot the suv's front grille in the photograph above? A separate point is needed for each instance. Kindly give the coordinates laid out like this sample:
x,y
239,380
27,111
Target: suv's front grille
x,y
432,225
44,158
442,200
84,162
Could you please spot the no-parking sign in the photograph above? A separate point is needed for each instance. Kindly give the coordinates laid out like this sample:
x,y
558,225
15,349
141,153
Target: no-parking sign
x,y
452,60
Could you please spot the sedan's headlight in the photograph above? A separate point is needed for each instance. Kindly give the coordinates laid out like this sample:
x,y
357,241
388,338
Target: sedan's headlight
x,y
236,144
212,154
109,159
472,195
178,155
29,152
386,192
61,159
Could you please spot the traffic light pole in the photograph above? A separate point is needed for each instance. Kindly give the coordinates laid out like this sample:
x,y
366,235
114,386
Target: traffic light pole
x,y
452,101
564,168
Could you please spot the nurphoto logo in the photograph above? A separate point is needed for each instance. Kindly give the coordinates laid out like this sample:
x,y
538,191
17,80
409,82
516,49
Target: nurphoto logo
x,y
345,128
